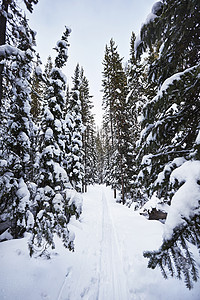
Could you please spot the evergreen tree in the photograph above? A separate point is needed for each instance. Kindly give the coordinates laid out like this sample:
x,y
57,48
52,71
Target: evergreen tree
x,y
134,103
88,137
74,131
169,137
16,148
114,102
53,203
39,89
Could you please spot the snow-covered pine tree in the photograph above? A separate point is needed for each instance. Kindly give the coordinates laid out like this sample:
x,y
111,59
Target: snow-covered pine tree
x,y
89,157
55,201
114,102
134,103
108,119
17,56
74,132
169,145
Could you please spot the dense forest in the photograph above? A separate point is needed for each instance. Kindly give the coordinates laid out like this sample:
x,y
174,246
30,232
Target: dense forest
x,y
147,150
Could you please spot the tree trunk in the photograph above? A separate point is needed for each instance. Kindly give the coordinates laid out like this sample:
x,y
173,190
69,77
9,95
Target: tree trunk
x,y
123,196
3,21
82,187
115,193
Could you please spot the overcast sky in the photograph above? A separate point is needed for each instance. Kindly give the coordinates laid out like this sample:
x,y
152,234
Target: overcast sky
x,y
93,24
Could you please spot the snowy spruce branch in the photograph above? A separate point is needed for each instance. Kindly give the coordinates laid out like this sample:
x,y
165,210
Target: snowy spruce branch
x,y
174,257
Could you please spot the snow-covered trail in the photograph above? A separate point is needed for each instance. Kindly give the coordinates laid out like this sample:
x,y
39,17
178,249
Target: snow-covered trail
x,y
107,264
101,267
113,283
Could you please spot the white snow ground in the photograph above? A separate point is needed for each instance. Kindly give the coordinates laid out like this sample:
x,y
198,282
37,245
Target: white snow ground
x,y
107,264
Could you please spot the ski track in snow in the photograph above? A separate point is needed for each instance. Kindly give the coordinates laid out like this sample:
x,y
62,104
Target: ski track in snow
x,y
102,259
112,283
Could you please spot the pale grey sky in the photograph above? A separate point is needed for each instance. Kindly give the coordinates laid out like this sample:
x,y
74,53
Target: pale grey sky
x,y
93,24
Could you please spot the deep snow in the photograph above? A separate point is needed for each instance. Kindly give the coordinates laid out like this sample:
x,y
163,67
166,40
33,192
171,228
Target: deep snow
x,y
107,264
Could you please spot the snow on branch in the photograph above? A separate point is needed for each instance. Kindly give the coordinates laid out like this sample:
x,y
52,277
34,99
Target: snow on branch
x,y
7,51
169,81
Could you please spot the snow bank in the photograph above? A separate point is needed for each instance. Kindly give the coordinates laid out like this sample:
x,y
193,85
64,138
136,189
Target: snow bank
x,y
186,201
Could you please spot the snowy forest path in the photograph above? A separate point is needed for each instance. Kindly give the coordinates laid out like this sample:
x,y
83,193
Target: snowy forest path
x,y
113,282
108,262
99,270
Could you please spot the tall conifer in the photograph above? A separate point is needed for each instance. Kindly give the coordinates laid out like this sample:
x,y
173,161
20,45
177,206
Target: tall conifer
x,y
114,102
53,202
74,131
15,110
169,139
